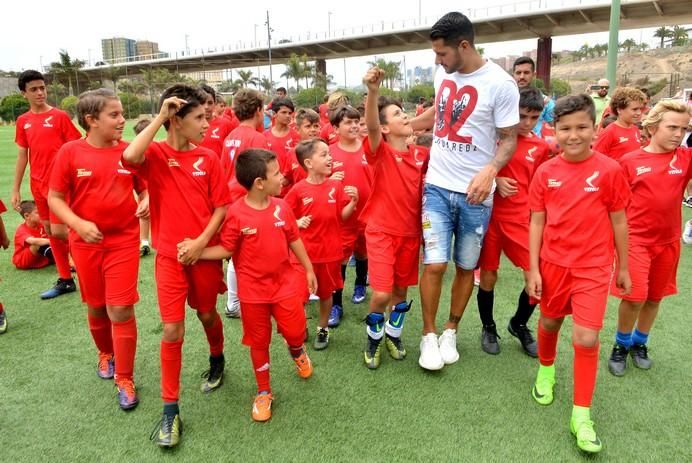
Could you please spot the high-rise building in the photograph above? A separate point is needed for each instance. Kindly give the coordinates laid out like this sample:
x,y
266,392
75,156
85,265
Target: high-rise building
x,y
118,49
146,49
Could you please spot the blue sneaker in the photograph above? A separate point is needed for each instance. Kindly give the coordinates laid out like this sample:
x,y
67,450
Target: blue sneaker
x,y
63,286
358,294
335,316
127,394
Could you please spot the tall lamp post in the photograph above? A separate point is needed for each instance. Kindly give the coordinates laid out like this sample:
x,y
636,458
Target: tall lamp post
x,y
269,51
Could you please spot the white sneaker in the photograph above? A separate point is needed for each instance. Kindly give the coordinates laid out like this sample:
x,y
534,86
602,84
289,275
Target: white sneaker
x,y
314,297
234,310
687,234
430,357
448,346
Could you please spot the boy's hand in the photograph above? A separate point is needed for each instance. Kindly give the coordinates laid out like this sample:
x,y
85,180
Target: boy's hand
x,y
534,284
88,231
337,175
373,78
312,282
351,192
623,282
506,186
189,251
171,106
304,222
15,199
5,243
142,211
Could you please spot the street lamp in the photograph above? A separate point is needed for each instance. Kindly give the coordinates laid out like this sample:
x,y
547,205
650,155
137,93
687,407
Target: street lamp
x,y
329,23
255,41
269,50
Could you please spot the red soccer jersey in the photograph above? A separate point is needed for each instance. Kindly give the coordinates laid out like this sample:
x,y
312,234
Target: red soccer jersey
x,y
394,206
324,204
239,140
282,146
357,173
294,172
328,134
259,242
530,153
657,182
218,130
236,190
324,114
98,189
43,134
577,198
23,232
615,141
184,189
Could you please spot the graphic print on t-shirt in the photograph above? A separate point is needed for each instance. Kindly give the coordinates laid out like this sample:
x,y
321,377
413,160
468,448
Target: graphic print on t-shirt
x,y
454,106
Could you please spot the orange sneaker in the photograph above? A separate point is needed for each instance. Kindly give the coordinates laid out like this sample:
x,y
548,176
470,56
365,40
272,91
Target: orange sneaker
x,y
262,407
303,365
106,366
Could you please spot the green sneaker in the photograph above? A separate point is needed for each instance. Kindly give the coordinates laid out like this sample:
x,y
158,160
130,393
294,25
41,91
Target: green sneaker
x,y
395,347
214,375
168,431
587,440
542,391
321,341
371,354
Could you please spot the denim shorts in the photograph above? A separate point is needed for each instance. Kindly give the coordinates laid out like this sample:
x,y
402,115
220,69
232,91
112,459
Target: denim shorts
x,y
447,213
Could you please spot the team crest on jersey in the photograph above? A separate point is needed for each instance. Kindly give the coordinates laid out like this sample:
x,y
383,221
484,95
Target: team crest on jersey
x,y
215,133
590,180
416,154
198,172
624,140
122,170
47,123
331,199
364,160
248,231
398,158
307,200
27,126
83,173
173,162
529,154
277,215
674,170
641,170
552,183
336,164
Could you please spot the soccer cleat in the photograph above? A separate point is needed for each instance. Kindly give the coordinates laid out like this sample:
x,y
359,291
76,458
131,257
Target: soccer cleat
x,y
144,250
371,353
233,311
687,233
335,316
63,286
358,294
617,363
170,430
640,356
489,339
542,391
313,298
687,202
214,375
587,440
106,366
395,347
448,346
321,339
262,407
430,357
127,394
523,334
3,322
303,365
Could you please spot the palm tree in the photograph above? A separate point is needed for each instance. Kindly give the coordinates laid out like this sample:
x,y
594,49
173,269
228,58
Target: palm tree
x,y
112,73
663,33
266,84
679,36
643,46
246,78
308,69
628,45
134,86
294,69
392,71
67,68
231,86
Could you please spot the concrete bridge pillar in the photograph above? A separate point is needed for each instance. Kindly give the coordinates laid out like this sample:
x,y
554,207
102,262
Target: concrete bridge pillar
x,y
544,59
321,66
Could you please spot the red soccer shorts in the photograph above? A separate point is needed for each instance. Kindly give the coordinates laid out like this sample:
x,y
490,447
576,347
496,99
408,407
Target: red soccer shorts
x,y
39,191
510,237
392,260
653,270
107,276
25,260
199,284
353,241
257,325
328,279
582,292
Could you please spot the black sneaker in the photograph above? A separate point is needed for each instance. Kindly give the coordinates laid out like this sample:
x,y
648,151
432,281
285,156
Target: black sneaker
x,y
168,431
3,322
63,286
640,356
523,334
214,375
489,339
144,250
687,202
321,339
618,360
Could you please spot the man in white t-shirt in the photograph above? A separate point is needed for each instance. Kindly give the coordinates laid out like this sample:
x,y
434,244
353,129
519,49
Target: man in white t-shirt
x,y
474,136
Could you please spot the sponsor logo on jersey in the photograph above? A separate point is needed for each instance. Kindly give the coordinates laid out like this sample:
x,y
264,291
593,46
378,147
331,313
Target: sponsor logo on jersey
x,y
336,164
122,170
215,133
398,158
674,170
27,126
529,154
331,196
590,180
416,154
277,215
173,162
248,231
307,200
83,173
552,183
623,140
46,123
643,170
198,172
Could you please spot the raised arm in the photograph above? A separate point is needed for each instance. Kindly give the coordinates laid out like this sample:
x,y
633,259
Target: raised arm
x,y
372,80
425,121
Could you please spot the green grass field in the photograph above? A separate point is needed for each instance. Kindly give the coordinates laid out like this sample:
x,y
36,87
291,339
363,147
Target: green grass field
x,y
53,406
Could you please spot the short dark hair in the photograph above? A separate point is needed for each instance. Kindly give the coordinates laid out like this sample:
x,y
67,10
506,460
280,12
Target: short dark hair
x,y
382,103
281,89
305,149
252,164
193,95
572,104
26,77
609,119
246,102
206,88
91,103
141,125
531,98
524,60
338,114
424,139
277,103
306,114
453,28
28,205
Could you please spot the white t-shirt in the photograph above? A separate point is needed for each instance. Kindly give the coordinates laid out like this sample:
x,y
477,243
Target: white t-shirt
x,y
468,110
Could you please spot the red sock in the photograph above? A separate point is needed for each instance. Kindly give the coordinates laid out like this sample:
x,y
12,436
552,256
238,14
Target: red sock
x,y
100,328
124,346
61,251
260,364
547,345
585,369
2,309
171,362
215,336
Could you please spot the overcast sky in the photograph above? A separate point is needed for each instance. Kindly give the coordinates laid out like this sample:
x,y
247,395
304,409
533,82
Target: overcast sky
x,y
34,33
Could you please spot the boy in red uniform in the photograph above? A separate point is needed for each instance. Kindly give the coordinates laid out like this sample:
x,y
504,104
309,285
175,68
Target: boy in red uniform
x,y
657,176
392,215
188,199
41,132
350,166
328,132
508,230
622,136
281,138
91,193
31,244
248,106
4,244
262,228
219,127
321,204
578,220
308,125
